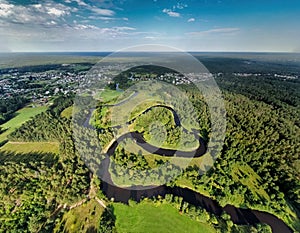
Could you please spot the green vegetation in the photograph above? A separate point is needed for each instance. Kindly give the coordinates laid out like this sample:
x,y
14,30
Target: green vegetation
x,y
129,145
84,218
108,95
159,129
256,168
107,223
31,191
21,116
28,147
36,185
67,113
172,214
9,106
153,160
129,169
101,117
26,60
149,217
150,94
42,190
27,158
140,108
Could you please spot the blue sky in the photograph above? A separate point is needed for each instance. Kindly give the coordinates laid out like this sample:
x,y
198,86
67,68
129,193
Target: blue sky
x,y
191,25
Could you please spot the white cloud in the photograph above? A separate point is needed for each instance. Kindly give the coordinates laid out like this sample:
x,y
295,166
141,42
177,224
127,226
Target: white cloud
x,y
106,18
35,14
37,6
224,30
171,13
151,37
214,31
191,20
52,22
5,9
93,8
124,28
180,6
74,37
56,12
84,26
80,3
104,12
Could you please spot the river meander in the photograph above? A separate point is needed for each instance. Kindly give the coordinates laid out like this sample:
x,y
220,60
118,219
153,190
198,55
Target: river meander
x,y
238,215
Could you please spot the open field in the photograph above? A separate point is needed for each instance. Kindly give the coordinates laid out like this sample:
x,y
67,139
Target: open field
x,y
28,147
108,95
84,218
152,218
22,60
67,112
244,173
22,116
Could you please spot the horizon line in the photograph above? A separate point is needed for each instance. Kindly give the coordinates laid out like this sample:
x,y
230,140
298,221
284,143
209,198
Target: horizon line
x,y
237,52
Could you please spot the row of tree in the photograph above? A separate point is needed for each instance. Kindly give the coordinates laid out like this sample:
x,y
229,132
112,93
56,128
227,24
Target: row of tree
x,y
34,189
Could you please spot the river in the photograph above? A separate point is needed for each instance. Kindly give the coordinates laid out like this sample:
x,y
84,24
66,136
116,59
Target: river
x,y
238,215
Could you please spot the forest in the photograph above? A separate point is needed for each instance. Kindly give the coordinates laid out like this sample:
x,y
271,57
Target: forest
x,y
33,188
259,164
9,106
258,167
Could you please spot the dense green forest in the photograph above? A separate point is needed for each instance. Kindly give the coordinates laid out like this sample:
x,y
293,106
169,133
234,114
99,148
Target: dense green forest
x,y
259,164
33,189
159,128
9,106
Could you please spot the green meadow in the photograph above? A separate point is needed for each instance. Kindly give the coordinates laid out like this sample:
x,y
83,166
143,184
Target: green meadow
x,y
67,112
153,218
28,147
22,116
84,218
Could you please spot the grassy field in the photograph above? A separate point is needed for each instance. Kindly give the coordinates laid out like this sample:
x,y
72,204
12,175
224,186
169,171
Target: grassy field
x,y
85,218
244,174
28,147
22,116
67,112
153,218
108,95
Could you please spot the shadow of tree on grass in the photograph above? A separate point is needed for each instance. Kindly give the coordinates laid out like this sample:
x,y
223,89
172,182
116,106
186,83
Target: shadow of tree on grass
x,y
9,156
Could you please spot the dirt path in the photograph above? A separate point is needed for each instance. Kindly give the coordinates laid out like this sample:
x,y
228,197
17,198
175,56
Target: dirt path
x,y
100,202
91,196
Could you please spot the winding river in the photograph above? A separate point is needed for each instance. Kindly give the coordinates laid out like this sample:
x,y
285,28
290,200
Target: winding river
x,y
238,215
